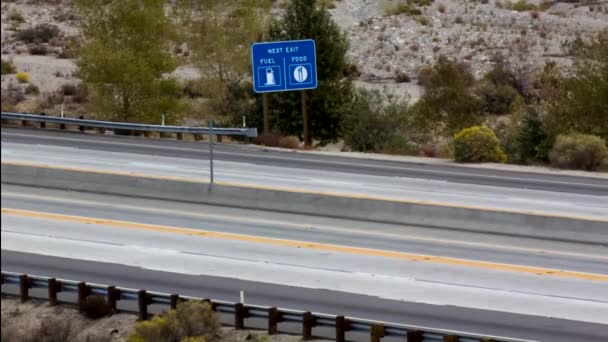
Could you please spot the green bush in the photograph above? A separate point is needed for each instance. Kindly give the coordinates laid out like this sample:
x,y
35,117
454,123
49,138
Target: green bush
x,y
375,122
192,319
497,99
478,144
7,67
579,151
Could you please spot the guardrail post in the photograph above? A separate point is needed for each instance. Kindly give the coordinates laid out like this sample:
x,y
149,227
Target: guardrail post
x,y
450,338
179,136
52,286
239,316
24,288
377,332
340,329
142,300
274,317
83,292
42,123
197,137
414,336
112,294
308,322
81,128
173,299
24,123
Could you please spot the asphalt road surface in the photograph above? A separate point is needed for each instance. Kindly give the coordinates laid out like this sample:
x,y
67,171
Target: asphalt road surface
x,y
322,181
304,161
316,300
391,263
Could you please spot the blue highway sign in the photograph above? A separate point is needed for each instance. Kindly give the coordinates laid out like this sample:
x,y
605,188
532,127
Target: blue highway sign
x,y
284,66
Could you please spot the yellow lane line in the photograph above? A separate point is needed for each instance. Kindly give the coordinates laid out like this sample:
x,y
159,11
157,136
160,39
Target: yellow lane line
x,y
310,245
307,191
320,228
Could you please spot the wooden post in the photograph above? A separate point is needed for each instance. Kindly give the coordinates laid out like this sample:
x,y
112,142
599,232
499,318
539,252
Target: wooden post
x,y
450,338
52,287
274,317
414,336
82,295
142,301
239,316
265,107
377,332
42,123
173,300
307,140
113,296
340,329
24,288
308,322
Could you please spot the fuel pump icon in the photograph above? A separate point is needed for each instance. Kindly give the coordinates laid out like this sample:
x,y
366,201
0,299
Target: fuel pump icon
x,y
270,80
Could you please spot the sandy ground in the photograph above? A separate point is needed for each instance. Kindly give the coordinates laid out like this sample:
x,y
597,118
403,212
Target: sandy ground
x,y
29,315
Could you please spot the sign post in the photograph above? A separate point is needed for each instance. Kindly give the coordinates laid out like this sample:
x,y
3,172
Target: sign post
x,y
285,66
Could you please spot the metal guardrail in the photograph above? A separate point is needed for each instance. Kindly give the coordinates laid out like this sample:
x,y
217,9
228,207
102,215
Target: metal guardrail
x,y
273,315
82,123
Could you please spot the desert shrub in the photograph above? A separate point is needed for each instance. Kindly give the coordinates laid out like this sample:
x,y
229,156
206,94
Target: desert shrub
x,y
268,139
190,319
38,50
15,16
289,142
51,329
158,329
402,77
12,95
32,89
68,89
8,67
478,144
522,6
579,151
42,33
96,307
497,99
193,89
82,93
22,77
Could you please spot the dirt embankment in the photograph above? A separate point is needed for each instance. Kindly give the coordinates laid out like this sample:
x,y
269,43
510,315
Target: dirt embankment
x,y
34,320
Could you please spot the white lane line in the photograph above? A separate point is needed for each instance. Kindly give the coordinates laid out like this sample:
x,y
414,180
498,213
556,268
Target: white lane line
x,y
336,163
312,226
388,287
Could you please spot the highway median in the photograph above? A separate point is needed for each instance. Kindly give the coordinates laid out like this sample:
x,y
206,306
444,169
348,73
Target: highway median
x,y
365,208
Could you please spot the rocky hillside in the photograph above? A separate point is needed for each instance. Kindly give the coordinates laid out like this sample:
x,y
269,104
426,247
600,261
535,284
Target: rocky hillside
x,y
390,40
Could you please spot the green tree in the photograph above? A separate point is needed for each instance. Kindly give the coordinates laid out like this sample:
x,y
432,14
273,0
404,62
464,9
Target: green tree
x,y
372,120
579,103
221,32
125,60
307,19
449,103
